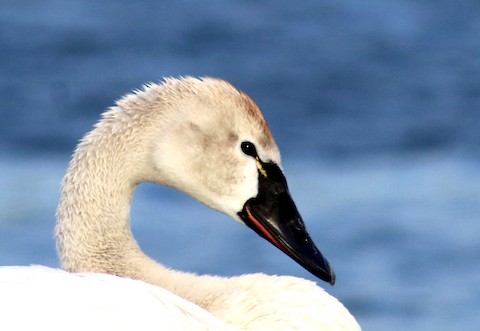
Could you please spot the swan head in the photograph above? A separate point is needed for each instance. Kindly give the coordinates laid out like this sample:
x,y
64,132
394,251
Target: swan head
x,y
214,144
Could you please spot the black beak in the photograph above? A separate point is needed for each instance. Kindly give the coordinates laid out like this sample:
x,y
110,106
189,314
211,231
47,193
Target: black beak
x,y
274,216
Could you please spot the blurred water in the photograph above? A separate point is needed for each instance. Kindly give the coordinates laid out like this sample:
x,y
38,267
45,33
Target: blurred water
x,y
375,107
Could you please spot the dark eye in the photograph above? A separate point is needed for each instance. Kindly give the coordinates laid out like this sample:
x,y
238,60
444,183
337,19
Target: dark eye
x,y
249,149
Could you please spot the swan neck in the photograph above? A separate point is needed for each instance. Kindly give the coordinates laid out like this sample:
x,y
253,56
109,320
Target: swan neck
x,y
93,223
93,229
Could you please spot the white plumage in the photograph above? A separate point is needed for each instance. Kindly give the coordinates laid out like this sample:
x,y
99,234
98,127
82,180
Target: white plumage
x,y
41,298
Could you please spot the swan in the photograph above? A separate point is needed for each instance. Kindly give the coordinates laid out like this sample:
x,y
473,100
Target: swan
x,y
208,139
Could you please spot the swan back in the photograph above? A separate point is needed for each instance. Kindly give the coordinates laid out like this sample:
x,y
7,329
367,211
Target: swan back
x,y
40,298
265,302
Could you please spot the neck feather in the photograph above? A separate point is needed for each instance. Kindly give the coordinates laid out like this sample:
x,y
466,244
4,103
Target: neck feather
x,y
93,217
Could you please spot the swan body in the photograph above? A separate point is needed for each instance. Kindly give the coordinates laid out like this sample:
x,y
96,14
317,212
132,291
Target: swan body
x,y
208,139
41,298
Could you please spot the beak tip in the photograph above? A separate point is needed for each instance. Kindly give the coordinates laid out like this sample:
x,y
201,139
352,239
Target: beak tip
x,y
333,277
327,274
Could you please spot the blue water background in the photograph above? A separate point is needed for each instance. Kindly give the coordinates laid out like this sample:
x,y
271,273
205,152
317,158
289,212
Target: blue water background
x,y
374,104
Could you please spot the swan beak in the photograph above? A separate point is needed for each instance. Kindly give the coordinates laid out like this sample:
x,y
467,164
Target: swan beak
x,y
274,216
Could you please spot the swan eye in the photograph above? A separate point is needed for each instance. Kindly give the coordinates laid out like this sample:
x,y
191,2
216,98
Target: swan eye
x,y
249,149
